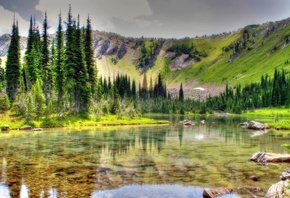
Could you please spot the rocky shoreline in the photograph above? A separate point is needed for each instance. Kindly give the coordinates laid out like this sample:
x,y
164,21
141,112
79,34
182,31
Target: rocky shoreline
x,y
281,188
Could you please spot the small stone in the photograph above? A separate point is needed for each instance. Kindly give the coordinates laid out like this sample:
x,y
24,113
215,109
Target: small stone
x,y
215,192
254,178
26,128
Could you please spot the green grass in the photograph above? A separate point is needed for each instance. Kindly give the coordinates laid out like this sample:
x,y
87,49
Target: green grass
x,y
278,118
76,121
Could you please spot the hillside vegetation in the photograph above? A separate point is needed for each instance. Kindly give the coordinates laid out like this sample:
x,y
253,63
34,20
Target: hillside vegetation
x,y
239,57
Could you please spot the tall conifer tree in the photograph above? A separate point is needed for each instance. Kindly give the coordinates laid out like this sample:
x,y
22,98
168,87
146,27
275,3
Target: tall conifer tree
x,y
59,70
70,59
46,68
181,95
32,56
13,64
89,57
82,88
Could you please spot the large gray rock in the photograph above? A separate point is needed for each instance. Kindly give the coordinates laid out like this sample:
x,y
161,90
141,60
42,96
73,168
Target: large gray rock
x,y
276,190
255,125
262,157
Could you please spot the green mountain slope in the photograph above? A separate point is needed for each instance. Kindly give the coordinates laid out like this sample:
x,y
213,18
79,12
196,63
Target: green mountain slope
x,y
206,63
239,57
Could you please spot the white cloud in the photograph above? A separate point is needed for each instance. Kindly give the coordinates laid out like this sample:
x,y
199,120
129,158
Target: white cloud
x,y
101,12
6,21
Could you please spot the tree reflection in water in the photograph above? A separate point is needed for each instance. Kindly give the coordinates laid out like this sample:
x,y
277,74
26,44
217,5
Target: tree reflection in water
x,y
79,163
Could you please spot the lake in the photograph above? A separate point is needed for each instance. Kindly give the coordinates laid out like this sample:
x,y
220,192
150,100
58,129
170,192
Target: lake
x,y
152,161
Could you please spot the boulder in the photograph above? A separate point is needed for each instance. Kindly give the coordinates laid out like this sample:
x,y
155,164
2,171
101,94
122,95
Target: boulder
x,y
187,123
285,175
254,178
26,128
276,190
37,129
263,157
255,125
5,127
215,192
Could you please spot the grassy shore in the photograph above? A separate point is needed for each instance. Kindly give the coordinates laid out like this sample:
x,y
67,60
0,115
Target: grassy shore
x,y
16,122
279,118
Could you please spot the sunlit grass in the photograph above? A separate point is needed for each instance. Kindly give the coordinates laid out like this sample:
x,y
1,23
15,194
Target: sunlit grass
x,y
279,118
77,121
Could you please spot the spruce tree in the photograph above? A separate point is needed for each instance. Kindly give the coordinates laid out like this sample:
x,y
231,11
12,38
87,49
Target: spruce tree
x,y
70,60
13,65
82,94
59,70
144,89
32,56
46,68
181,96
89,57
133,89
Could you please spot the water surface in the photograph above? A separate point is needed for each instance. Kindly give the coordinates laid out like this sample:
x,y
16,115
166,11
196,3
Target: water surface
x,y
158,161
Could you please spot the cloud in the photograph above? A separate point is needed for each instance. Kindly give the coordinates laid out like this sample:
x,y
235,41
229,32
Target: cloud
x,y
6,21
155,18
198,17
103,13
24,8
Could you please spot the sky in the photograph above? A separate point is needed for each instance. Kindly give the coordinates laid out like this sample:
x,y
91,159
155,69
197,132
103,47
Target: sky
x,y
148,18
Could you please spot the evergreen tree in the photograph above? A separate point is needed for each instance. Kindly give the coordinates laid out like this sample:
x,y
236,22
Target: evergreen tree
x,y
59,70
29,108
39,99
133,90
32,56
4,103
51,78
151,88
2,76
70,62
46,67
181,96
82,88
13,65
144,88
89,57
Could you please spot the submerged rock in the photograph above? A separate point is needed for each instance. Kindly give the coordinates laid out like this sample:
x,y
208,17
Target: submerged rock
x,y
5,127
187,123
215,192
255,125
263,157
37,129
26,128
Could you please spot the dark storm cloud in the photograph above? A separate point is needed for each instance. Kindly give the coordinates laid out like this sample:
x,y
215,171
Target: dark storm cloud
x,y
182,17
179,18
156,18
25,8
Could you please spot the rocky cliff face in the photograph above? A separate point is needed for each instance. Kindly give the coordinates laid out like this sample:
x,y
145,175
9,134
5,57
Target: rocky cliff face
x,y
5,42
115,47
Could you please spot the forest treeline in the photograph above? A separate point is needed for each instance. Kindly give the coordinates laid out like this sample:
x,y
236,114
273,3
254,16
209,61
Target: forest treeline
x,y
269,92
58,77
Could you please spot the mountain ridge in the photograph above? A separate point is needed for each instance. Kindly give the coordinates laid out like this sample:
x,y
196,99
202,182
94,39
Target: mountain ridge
x,y
208,62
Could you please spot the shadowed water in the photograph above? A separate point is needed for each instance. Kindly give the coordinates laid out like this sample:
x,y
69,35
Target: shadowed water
x,y
158,161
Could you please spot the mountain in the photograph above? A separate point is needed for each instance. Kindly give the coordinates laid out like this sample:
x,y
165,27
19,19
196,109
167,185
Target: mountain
x,y
204,65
